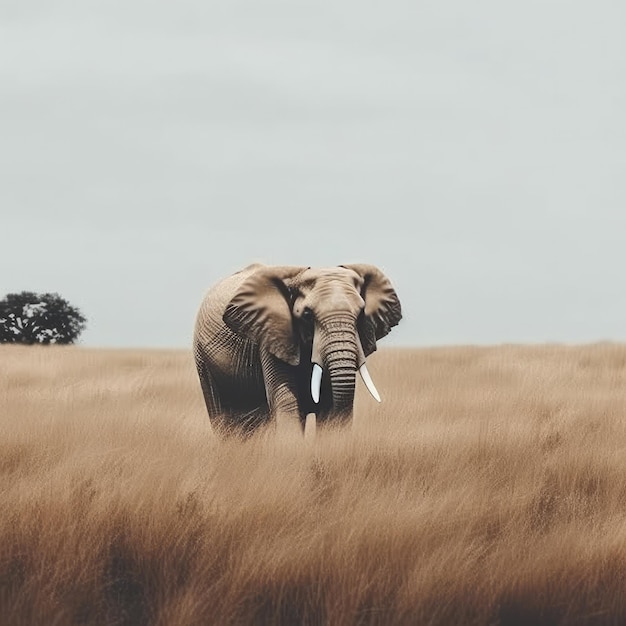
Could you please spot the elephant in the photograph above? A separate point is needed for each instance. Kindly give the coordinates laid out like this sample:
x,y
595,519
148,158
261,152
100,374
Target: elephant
x,y
275,343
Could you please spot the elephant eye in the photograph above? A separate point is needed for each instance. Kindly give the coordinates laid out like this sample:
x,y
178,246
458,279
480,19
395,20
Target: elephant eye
x,y
307,314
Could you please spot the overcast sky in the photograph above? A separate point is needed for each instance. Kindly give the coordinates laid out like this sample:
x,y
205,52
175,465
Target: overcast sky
x,y
475,151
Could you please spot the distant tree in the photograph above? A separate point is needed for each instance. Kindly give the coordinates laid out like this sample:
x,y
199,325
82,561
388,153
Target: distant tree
x,y
30,318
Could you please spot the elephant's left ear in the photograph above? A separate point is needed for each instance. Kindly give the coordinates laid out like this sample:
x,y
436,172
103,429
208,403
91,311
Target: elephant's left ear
x,y
382,305
260,310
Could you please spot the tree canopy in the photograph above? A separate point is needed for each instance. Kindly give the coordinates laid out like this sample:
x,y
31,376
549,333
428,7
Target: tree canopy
x,y
46,318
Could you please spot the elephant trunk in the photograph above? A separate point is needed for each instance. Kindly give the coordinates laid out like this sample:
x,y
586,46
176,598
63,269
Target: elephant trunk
x,y
338,352
342,371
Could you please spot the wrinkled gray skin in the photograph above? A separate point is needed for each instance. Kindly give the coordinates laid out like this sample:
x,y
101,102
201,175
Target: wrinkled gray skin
x,y
259,331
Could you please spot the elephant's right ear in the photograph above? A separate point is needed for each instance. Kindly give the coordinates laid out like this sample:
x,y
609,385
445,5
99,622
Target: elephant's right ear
x,y
260,310
382,306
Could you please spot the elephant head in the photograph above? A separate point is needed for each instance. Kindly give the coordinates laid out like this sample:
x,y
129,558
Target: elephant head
x,y
319,319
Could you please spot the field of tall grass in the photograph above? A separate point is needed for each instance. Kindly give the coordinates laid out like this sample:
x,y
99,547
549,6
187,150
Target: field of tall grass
x,y
489,487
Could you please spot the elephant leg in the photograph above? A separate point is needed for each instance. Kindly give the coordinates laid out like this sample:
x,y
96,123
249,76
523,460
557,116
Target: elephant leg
x,y
211,395
282,396
226,419
327,417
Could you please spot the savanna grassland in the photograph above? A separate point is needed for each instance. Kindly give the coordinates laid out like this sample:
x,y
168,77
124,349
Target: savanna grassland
x,y
489,487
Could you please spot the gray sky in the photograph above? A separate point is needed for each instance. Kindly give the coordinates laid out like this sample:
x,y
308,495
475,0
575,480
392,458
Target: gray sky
x,y
474,151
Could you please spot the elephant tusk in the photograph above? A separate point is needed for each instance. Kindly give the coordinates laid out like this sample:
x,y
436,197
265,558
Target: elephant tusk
x,y
367,379
316,382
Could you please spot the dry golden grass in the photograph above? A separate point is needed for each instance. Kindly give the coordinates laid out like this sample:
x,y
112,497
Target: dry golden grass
x,y
488,488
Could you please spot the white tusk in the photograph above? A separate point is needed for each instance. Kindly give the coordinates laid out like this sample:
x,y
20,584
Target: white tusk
x,y
316,382
367,379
